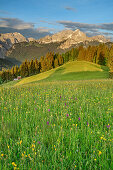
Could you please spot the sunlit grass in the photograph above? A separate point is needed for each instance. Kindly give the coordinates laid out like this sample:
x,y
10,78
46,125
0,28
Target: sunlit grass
x,y
57,125
73,70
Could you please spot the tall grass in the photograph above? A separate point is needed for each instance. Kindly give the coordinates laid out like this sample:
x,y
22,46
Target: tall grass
x,y
63,125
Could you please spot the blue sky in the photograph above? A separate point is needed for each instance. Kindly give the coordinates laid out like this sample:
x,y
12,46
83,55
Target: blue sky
x,y
38,18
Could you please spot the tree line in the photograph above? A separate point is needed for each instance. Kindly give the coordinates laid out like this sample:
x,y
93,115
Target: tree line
x,y
100,54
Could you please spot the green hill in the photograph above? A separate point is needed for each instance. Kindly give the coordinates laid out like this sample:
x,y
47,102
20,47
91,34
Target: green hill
x,y
74,70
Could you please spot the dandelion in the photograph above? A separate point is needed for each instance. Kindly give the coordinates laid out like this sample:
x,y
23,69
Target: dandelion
x,y
75,166
2,154
95,159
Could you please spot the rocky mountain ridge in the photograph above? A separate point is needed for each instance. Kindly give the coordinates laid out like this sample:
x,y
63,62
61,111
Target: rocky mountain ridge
x,y
7,40
69,38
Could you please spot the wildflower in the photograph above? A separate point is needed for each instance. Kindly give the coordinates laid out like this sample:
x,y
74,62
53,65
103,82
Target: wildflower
x,y
79,118
8,146
47,123
108,126
2,154
55,149
95,159
13,163
48,110
39,142
75,166
76,125
54,125
65,104
87,123
20,142
67,115
60,97
100,153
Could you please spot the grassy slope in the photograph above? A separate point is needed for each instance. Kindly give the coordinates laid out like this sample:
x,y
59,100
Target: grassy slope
x,y
74,70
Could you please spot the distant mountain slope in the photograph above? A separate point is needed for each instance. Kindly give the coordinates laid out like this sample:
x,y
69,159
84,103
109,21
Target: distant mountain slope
x,y
74,70
7,40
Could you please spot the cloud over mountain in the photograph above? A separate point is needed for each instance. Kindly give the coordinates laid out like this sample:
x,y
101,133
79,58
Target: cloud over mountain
x,y
93,29
10,25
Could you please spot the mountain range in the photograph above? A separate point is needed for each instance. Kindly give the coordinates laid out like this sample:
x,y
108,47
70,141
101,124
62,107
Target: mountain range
x,y
15,48
69,38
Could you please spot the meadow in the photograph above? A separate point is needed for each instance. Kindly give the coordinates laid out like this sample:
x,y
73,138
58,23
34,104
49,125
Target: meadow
x,y
61,125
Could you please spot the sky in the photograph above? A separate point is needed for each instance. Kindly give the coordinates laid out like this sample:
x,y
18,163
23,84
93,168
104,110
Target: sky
x,y
38,18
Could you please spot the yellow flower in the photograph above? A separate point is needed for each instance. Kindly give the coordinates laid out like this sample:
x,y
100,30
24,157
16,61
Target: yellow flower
x,y
14,164
101,138
95,159
33,146
100,153
20,142
76,125
22,155
2,154
75,166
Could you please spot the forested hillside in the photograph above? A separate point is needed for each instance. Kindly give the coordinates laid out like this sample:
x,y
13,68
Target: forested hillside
x,y
101,54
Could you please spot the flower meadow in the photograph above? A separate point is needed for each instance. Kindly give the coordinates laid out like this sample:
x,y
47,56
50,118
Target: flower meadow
x,y
57,125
